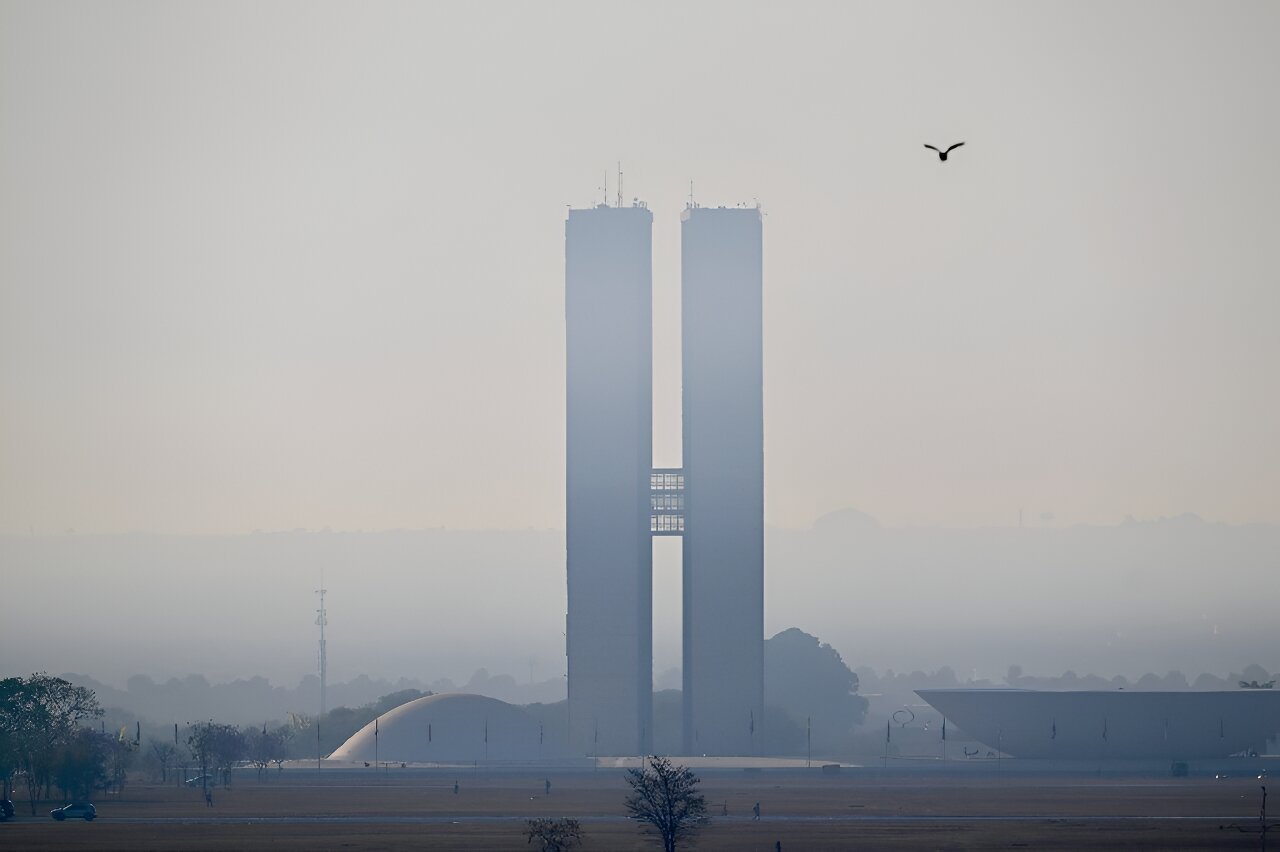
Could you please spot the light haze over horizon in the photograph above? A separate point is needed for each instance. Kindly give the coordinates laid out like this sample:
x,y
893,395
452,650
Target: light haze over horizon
x,y
275,266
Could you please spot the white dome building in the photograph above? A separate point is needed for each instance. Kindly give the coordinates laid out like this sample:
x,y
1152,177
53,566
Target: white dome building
x,y
447,728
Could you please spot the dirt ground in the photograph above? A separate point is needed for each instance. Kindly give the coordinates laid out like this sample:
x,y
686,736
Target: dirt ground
x,y
801,809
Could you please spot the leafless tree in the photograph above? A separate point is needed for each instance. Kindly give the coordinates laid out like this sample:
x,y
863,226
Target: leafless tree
x,y
665,798
264,747
216,746
555,835
162,754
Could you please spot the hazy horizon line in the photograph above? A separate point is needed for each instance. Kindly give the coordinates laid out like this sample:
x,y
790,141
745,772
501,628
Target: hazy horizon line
x,y
877,671
1035,525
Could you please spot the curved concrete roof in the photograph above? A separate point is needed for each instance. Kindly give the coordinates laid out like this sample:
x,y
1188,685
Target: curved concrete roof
x,y
1099,725
447,728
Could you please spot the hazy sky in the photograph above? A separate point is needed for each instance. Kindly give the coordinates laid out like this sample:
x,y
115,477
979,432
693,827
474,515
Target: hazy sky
x,y
277,265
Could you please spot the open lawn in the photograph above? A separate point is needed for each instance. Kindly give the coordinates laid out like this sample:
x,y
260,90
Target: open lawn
x,y
417,808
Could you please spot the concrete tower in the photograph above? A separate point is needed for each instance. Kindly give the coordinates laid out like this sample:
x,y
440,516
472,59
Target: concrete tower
x,y
616,500
722,282
609,348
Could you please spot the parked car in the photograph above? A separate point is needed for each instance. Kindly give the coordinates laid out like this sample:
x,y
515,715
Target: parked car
x,y
6,808
77,810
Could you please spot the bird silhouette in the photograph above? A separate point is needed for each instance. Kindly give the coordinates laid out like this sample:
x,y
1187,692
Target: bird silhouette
x,y
942,155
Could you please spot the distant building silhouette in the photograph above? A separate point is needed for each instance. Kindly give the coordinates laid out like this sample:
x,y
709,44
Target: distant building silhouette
x,y
616,500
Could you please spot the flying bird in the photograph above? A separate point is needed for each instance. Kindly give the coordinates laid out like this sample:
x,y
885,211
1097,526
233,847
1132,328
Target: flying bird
x,y
942,155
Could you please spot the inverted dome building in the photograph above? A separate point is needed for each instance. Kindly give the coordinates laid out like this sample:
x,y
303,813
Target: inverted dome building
x,y
1122,724
447,728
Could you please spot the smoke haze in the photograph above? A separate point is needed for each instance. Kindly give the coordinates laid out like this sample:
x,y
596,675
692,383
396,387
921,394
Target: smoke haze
x,y
1140,597
268,266
300,266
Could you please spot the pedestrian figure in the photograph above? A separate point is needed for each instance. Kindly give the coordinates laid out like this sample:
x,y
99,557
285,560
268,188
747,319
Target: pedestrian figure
x,y
755,809
455,788
724,808
208,798
546,786
777,846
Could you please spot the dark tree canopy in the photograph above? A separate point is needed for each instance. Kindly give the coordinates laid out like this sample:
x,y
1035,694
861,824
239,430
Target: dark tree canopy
x,y
83,764
40,720
808,679
665,799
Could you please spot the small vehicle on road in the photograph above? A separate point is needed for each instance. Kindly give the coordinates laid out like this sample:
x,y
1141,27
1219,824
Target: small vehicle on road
x,y
6,809
76,810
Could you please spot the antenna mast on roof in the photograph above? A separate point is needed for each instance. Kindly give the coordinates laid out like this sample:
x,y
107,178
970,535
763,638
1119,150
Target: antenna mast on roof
x,y
691,192
619,183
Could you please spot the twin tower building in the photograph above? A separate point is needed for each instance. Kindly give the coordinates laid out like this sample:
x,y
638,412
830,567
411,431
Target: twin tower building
x,y
617,500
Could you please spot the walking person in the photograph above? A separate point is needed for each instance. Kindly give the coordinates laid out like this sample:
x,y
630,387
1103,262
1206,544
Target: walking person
x,y
755,810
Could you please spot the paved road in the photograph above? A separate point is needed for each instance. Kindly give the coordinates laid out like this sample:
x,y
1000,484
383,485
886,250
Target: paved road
x,y
480,820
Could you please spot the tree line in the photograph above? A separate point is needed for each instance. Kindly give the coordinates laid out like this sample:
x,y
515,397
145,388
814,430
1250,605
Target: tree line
x,y
48,742
44,740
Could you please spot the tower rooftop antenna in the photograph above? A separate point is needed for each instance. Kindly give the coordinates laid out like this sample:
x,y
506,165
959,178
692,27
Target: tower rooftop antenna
x,y
619,202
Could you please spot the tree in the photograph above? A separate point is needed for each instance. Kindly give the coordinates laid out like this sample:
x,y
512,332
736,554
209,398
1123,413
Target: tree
x,y
161,755
665,798
285,734
83,764
300,736
10,752
555,835
263,747
120,753
217,747
808,679
39,717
